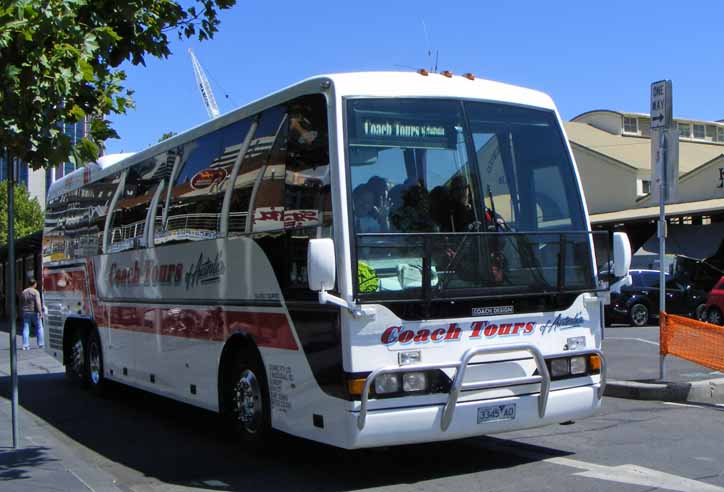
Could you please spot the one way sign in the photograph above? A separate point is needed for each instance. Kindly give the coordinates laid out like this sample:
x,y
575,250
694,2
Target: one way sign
x,y
661,104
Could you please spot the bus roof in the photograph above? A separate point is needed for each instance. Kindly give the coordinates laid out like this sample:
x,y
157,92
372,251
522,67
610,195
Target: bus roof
x,y
353,84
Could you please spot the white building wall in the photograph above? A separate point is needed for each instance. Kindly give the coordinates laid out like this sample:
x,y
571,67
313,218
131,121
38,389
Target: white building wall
x,y
608,186
703,184
36,185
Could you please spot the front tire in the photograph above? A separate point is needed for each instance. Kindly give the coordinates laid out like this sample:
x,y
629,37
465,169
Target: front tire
x,y
246,399
639,315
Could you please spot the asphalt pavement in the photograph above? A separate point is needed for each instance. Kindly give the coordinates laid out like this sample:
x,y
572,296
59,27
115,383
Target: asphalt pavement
x,y
132,441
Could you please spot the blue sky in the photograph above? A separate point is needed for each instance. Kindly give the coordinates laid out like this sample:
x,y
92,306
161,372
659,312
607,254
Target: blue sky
x,y
586,55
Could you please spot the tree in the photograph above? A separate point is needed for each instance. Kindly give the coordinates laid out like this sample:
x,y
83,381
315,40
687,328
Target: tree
x,y
166,136
60,62
28,215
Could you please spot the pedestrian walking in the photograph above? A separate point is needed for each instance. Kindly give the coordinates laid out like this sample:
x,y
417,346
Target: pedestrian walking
x,y
32,306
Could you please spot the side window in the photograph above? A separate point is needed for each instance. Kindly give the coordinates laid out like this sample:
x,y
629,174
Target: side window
x,y
293,203
307,198
267,195
97,201
254,162
74,221
650,279
129,215
197,195
53,233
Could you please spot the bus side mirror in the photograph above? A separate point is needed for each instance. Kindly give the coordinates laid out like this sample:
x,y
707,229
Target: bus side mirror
x,y
321,262
621,254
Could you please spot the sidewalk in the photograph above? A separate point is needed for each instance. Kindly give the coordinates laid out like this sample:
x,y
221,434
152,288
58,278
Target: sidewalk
x,y
632,355
42,461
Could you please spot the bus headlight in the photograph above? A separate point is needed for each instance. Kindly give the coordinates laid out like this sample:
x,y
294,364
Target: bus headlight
x,y
560,367
578,365
387,383
414,381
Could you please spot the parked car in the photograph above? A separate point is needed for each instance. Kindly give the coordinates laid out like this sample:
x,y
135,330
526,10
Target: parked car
x,y
715,304
638,303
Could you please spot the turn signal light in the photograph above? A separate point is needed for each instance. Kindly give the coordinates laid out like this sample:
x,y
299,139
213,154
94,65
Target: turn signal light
x,y
594,363
355,386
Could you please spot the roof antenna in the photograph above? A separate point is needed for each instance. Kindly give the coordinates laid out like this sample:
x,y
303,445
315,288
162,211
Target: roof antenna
x,y
433,66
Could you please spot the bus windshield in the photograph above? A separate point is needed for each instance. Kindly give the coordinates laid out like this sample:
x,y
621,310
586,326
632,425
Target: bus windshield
x,y
451,197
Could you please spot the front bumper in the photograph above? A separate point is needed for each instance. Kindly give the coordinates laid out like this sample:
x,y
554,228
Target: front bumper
x,y
387,427
454,418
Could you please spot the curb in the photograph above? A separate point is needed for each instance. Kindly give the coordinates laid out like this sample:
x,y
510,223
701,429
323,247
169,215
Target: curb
x,y
709,391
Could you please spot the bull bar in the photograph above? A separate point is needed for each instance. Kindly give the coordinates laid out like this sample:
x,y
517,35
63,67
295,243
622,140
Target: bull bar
x,y
543,377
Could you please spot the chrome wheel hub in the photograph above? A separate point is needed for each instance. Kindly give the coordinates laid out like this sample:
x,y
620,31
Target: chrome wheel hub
x,y
248,401
95,363
77,357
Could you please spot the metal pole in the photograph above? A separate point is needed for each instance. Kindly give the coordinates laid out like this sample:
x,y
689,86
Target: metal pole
x,y
662,243
11,296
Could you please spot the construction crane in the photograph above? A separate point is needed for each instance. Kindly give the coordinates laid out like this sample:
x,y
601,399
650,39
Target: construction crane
x,y
204,87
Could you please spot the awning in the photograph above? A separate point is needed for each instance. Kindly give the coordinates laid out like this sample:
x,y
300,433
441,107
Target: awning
x,y
694,241
24,245
687,208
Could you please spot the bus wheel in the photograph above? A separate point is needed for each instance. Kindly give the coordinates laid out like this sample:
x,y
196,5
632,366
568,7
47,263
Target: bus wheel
x,y
247,397
94,363
75,366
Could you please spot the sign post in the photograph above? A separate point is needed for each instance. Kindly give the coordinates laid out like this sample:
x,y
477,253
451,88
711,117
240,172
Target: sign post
x,y
665,169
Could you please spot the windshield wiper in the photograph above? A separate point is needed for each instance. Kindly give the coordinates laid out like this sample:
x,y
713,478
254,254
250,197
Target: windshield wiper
x,y
524,251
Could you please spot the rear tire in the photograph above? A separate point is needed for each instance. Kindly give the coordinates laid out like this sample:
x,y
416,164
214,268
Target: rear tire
x,y
714,316
94,363
246,401
638,315
76,369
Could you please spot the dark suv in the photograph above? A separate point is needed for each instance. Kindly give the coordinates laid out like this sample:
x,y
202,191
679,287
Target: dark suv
x,y
638,303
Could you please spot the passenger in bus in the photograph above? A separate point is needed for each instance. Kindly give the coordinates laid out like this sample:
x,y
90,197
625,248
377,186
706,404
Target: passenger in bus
x,y
413,214
366,217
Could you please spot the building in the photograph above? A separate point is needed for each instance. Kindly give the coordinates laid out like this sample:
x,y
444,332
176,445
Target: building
x,y
613,154
37,182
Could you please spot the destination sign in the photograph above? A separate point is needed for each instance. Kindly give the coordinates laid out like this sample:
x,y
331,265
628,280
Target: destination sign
x,y
399,130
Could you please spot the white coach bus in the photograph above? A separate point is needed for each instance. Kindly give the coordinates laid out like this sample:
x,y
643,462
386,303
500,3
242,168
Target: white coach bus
x,y
360,259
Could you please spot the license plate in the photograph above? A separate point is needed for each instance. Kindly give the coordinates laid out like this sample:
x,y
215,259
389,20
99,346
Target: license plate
x,y
496,413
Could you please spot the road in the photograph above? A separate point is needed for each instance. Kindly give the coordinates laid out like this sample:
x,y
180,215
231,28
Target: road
x,y
148,443
633,354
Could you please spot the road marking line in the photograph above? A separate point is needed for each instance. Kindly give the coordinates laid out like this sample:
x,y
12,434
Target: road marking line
x,y
636,339
628,474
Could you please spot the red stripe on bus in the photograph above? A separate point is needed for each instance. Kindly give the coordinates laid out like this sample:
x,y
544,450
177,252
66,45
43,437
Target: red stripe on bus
x,y
267,329
215,324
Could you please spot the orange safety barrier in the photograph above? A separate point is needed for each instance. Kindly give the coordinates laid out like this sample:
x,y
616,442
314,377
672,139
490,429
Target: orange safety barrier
x,y
696,341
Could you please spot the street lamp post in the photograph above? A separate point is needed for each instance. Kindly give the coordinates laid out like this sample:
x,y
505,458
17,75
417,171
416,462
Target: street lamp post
x,y
11,296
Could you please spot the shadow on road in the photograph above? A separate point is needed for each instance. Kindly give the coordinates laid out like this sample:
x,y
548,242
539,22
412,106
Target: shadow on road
x,y
16,464
179,444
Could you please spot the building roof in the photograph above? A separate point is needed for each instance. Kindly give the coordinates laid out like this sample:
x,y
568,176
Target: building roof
x,y
635,150
645,213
